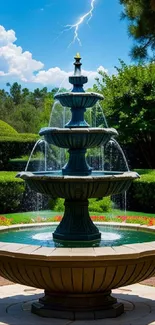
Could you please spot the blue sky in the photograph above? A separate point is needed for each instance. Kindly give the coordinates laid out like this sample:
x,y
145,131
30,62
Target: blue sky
x,y
35,51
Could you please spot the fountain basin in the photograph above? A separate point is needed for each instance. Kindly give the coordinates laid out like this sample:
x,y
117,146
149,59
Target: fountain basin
x,y
78,100
77,137
99,184
78,280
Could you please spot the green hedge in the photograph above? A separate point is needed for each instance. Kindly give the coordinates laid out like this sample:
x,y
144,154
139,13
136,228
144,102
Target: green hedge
x,y
7,130
20,137
11,192
19,164
141,195
15,146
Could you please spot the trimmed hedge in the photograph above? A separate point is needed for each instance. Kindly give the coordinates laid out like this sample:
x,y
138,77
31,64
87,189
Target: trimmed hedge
x,y
15,146
11,192
7,130
19,164
15,196
141,195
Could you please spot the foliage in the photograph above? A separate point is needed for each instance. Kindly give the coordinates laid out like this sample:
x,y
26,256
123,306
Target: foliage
x,y
7,130
59,205
141,195
100,205
20,137
141,17
97,205
26,111
130,106
15,146
11,192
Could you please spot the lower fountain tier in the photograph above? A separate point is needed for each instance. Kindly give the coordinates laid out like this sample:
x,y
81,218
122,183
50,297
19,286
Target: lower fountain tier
x,y
99,184
77,138
83,276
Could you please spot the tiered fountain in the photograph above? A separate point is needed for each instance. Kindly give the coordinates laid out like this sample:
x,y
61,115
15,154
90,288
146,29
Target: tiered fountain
x,y
77,182
77,281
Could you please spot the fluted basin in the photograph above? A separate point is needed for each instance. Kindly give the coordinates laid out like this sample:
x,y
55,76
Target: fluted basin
x,y
78,280
99,184
78,100
77,138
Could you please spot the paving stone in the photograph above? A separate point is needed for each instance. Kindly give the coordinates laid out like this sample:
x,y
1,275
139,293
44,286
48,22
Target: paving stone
x,y
15,306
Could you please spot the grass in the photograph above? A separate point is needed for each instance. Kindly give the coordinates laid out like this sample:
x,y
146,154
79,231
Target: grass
x,y
28,217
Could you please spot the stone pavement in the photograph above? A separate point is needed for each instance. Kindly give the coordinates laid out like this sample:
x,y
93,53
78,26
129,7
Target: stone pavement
x,y
15,304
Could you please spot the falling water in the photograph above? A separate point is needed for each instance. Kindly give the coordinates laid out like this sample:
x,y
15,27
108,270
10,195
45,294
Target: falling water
x,y
46,156
122,153
125,201
103,118
39,142
52,112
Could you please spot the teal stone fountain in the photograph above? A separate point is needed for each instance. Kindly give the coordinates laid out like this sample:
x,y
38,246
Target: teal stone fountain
x,y
77,182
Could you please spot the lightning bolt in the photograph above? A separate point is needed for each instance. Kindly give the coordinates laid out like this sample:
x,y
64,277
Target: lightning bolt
x,y
81,20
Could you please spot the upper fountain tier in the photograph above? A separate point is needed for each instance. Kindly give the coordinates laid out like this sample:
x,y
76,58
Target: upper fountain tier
x,y
78,99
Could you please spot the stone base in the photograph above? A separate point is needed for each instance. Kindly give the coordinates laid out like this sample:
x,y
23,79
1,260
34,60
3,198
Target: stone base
x,y
78,307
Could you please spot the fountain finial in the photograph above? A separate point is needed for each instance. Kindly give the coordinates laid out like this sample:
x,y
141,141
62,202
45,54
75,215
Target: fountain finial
x,y
77,63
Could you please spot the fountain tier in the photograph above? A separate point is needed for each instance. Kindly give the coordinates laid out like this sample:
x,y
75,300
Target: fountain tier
x,y
77,281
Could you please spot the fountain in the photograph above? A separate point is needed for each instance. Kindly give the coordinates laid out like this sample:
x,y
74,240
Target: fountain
x,y
77,281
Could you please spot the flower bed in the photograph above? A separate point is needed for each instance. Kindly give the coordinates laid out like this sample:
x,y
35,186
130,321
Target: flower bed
x,y
149,221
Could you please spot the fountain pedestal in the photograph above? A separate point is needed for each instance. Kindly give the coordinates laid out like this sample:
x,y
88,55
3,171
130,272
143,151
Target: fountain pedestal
x,y
77,164
76,224
78,306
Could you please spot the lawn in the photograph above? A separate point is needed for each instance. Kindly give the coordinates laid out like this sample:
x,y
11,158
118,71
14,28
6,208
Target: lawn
x,y
39,216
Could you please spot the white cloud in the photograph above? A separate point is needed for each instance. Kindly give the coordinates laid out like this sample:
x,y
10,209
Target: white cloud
x,y
7,36
56,76
18,64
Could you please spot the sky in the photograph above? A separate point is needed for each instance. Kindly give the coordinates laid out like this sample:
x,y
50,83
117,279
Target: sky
x,y
36,43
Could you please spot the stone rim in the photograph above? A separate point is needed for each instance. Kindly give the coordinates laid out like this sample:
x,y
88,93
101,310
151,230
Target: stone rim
x,y
123,252
90,178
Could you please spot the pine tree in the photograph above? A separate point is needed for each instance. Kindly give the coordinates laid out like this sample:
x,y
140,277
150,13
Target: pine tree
x,y
141,17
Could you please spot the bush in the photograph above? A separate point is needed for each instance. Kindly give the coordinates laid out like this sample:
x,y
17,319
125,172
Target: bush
x,y
58,205
11,192
95,205
19,164
15,146
100,205
141,195
7,130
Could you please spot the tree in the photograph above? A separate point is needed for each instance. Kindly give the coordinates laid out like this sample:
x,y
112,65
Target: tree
x,y
129,106
47,109
141,16
15,92
25,119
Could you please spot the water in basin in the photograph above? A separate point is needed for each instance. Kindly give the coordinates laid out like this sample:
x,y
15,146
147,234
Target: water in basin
x,y
110,236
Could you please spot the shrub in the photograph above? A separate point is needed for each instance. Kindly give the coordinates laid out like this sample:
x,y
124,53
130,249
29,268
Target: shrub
x,y
95,205
58,205
15,146
141,195
7,130
19,164
100,205
11,192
